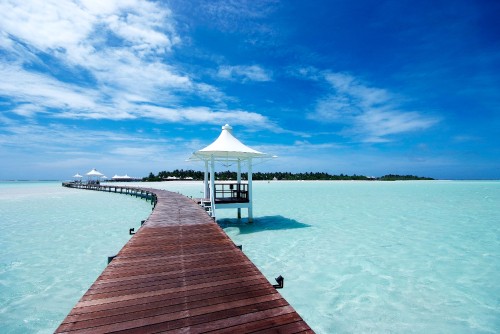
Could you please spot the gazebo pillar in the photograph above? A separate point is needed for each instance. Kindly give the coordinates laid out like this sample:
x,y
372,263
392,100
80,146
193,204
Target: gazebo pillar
x,y
212,185
250,210
238,180
205,182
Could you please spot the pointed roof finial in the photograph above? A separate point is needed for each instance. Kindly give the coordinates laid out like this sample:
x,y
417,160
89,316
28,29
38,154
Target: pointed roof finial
x,y
228,128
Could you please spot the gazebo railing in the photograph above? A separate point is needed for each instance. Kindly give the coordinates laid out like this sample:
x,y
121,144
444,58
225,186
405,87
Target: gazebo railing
x,y
231,192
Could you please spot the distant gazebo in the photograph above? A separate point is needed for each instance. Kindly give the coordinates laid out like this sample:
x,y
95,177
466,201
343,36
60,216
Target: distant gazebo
x,y
228,150
121,178
94,173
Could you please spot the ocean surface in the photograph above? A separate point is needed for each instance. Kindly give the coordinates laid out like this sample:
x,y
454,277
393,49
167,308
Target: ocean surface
x,y
357,257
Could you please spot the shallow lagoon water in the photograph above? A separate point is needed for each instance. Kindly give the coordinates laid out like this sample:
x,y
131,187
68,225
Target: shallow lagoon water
x,y
380,257
55,243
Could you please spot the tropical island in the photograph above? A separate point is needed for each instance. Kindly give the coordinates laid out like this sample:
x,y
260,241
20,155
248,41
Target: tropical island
x,y
180,174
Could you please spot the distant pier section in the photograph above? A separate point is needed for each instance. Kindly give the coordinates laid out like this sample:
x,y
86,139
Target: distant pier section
x,y
137,192
179,273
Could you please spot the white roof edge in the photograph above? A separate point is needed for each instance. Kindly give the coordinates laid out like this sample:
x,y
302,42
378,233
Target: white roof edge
x,y
228,146
207,156
94,172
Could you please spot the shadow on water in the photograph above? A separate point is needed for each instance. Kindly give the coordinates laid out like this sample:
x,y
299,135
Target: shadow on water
x,y
267,223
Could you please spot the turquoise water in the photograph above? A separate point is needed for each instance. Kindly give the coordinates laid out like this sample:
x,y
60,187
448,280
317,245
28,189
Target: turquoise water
x,y
54,244
357,257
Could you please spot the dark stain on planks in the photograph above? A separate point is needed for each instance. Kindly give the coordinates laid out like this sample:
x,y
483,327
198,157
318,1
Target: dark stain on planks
x,y
180,273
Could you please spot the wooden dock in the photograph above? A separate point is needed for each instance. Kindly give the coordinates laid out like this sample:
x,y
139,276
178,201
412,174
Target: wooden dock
x,y
180,273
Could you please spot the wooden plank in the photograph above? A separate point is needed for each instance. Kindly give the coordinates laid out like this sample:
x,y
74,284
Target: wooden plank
x,y
169,298
195,301
162,314
260,324
180,273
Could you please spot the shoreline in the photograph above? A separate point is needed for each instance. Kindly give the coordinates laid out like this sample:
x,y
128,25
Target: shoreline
x,y
269,181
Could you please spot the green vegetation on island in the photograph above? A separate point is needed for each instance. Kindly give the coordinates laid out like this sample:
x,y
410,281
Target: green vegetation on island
x,y
259,176
392,177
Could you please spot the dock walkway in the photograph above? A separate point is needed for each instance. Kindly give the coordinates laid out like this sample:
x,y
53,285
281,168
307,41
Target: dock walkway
x,y
180,273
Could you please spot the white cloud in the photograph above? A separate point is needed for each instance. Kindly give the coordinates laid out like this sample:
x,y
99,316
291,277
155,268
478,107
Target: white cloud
x,y
42,91
381,123
244,73
45,24
52,137
206,116
28,110
119,45
235,117
56,24
148,151
61,151
301,147
37,93
123,71
368,113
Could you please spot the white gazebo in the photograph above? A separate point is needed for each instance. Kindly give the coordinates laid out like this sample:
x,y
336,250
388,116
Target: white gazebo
x,y
122,178
228,150
94,173
77,177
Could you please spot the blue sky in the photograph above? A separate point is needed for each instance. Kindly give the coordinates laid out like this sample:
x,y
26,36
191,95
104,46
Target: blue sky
x,y
353,87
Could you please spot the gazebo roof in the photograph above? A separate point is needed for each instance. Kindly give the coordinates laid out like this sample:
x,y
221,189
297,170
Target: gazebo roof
x,y
121,176
227,147
77,175
94,172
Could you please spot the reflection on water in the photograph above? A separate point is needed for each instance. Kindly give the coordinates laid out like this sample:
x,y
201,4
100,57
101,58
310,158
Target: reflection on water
x,y
267,223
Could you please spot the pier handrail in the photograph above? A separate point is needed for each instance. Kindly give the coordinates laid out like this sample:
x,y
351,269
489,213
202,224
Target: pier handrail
x,y
236,191
138,192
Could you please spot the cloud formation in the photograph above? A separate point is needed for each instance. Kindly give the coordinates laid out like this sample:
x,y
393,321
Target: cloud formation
x,y
116,64
73,27
368,113
244,73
